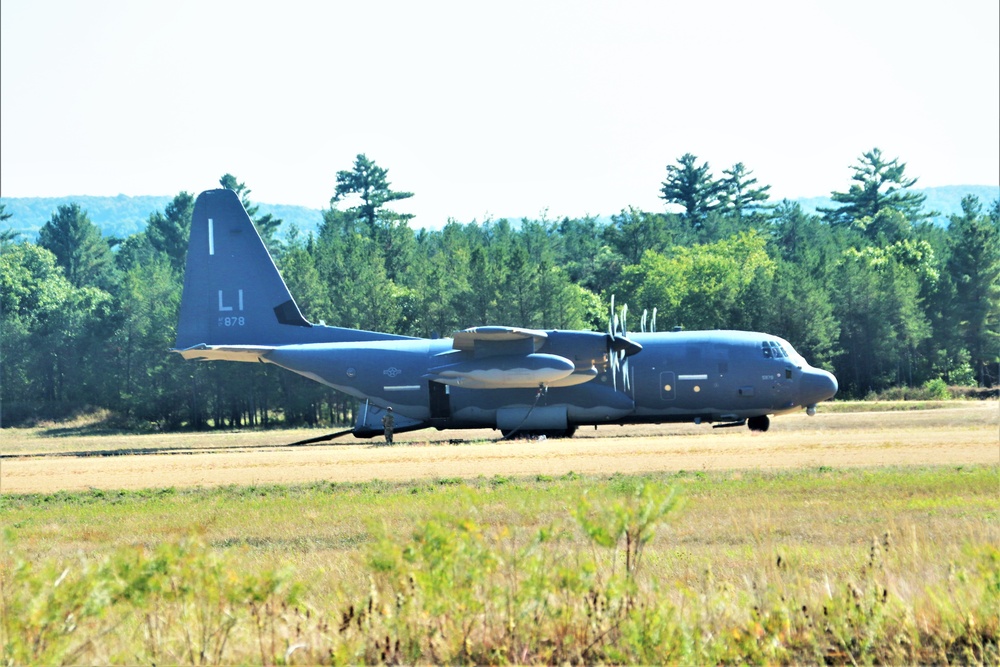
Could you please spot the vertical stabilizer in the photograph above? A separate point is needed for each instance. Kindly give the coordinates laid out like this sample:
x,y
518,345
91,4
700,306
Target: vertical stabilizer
x,y
233,293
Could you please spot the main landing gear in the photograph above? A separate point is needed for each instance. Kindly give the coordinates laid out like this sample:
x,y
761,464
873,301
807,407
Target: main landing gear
x,y
536,433
761,423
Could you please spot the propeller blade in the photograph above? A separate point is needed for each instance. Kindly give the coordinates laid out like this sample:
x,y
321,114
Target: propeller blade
x,y
612,320
642,323
653,327
614,370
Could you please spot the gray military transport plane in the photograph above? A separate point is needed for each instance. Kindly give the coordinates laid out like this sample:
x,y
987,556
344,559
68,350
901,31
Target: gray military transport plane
x,y
236,307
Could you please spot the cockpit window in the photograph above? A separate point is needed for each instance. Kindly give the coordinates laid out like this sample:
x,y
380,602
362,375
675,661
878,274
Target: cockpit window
x,y
773,350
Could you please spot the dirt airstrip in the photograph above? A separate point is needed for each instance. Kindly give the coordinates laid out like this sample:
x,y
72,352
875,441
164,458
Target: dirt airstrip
x,y
44,461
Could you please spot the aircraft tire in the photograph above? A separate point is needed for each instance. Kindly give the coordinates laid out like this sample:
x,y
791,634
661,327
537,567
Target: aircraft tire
x,y
760,423
567,433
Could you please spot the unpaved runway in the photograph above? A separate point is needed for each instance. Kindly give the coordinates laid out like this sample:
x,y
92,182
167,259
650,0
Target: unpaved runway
x,y
960,436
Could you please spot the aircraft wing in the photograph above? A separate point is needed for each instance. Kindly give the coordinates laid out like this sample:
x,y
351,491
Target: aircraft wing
x,y
225,352
498,340
493,357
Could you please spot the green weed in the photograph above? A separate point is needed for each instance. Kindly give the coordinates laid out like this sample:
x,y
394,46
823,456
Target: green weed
x,y
177,604
821,566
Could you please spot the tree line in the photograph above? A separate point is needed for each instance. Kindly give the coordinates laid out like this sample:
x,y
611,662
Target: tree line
x,y
869,289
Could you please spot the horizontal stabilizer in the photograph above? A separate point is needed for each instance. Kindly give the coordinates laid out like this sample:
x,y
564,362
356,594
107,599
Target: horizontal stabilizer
x,y
225,352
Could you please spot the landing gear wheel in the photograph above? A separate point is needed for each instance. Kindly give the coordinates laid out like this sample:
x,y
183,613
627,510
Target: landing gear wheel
x,y
533,434
760,424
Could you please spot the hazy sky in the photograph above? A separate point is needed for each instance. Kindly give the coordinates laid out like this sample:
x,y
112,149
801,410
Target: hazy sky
x,y
503,108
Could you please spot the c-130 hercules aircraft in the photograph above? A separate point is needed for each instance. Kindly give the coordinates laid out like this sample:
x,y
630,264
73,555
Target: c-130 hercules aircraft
x,y
236,307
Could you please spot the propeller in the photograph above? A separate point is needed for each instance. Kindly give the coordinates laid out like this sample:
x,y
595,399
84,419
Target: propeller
x,y
652,322
620,348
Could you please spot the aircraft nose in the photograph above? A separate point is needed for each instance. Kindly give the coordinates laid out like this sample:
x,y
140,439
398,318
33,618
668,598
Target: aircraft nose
x,y
817,385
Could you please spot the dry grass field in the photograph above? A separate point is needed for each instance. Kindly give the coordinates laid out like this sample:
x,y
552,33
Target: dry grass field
x,y
858,536
951,433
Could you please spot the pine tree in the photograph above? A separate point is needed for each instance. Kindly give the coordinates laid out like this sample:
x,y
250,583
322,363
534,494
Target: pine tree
x,y
267,225
694,188
879,184
369,183
78,246
741,195
974,266
168,232
8,235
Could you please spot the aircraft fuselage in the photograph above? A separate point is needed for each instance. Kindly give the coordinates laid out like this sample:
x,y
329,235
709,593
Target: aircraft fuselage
x,y
702,376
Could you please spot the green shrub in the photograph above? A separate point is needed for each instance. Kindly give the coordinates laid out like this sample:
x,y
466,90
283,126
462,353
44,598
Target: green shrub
x,y
181,601
936,390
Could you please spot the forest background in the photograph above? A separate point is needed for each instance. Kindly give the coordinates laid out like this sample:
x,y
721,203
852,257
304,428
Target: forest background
x,y
872,288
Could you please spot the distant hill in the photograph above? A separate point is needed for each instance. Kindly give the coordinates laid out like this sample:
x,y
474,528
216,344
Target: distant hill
x,y
116,216
124,215
946,200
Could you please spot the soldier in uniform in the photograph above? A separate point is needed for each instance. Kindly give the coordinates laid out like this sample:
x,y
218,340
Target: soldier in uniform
x,y
388,421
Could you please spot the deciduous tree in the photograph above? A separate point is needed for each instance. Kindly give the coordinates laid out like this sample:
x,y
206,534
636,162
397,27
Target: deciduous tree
x,y
707,286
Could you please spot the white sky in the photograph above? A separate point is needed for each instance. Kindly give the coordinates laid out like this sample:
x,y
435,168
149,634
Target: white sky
x,y
505,108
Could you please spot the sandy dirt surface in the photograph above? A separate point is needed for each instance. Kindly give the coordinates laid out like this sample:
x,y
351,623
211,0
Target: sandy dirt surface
x,y
952,436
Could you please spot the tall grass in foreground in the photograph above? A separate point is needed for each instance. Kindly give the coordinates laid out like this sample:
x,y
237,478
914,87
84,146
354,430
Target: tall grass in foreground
x,y
584,584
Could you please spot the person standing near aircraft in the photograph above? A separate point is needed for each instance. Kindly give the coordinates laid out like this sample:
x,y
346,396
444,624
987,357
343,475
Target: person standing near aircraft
x,y
388,422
